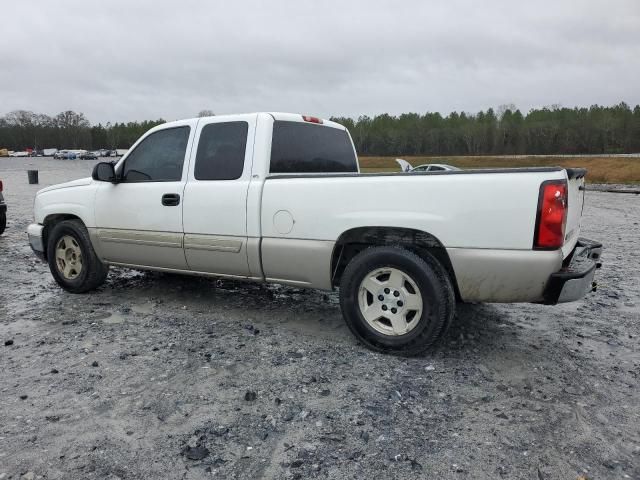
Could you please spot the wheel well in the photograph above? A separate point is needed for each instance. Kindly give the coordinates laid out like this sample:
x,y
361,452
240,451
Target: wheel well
x,y
353,241
50,221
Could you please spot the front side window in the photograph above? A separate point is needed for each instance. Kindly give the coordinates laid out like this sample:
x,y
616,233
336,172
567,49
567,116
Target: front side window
x,y
221,151
158,158
299,147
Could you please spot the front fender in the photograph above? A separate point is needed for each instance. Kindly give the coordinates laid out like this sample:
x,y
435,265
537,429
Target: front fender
x,y
75,201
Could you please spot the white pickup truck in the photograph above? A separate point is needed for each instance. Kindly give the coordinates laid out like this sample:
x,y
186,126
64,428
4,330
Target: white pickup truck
x,y
274,197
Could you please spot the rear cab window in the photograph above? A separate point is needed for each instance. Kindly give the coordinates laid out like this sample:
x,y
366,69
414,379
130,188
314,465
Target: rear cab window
x,y
221,151
300,147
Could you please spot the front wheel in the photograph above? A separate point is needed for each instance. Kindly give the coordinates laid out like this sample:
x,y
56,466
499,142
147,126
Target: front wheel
x,y
72,260
396,301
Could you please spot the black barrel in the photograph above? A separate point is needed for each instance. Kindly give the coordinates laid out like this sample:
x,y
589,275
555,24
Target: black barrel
x,y
33,177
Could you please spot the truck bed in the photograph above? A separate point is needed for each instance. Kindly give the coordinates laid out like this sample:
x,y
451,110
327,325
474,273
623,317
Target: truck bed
x,y
484,218
484,208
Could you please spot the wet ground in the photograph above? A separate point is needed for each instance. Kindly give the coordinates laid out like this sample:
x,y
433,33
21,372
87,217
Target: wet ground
x,y
158,376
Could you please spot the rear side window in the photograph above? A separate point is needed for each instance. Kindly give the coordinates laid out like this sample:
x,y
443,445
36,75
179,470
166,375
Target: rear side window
x,y
221,151
310,148
158,158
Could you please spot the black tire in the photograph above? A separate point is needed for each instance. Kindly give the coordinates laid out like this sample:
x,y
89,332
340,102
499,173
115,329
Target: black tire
x,y
438,299
93,272
3,222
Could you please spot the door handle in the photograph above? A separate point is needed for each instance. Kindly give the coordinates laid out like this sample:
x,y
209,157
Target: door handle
x,y
170,199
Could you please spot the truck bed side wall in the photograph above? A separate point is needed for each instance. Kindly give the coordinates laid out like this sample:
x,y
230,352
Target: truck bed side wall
x,y
485,220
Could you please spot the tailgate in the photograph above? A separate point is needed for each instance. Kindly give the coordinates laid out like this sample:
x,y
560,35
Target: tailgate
x,y
575,200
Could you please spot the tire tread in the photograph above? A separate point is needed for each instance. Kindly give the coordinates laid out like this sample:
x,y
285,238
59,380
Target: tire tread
x,y
96,271
426,263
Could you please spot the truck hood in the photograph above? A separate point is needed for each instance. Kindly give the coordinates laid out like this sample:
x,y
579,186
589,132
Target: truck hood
x,y
74,183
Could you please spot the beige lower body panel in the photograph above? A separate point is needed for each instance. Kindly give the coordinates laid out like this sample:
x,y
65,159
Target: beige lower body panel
x,y
185,272
305,263
216,254
163,249
253,257
503,276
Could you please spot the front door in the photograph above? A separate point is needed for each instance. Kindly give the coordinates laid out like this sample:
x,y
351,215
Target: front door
x,y
215,197
139,220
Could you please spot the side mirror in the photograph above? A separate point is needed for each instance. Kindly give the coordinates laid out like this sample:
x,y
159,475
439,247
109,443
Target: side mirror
x,y
104,172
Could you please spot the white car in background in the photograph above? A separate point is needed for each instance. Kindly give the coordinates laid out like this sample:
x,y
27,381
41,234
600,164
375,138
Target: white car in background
x,y
427,167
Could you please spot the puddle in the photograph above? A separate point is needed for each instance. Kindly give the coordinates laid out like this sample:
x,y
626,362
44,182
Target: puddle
x,y
143,308
114,318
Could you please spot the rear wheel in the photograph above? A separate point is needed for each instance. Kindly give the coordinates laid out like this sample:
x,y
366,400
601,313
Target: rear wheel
x,y
396,301
72,260
3,222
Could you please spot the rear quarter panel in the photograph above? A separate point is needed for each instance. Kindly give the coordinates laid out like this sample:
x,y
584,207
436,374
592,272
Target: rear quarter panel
x,y
470,210
486,221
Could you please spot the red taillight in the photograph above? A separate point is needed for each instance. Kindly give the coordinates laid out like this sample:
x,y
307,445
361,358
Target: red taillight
x,y
308,118
0,185
552,215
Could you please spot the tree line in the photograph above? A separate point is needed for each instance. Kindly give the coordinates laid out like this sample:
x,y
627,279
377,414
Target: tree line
x,y
548,130
23,129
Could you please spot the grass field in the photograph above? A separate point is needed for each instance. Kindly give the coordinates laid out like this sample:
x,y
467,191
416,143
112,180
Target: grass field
x,y
601,169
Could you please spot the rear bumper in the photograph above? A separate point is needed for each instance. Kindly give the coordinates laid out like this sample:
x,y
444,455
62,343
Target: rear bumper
x,y
34,232
3,208
575,278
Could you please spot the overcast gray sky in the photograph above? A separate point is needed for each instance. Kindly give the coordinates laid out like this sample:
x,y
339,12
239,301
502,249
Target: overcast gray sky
x,y
119,60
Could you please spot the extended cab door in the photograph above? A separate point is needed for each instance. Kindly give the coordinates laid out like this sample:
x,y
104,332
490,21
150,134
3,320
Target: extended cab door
x,y
139,220
215,197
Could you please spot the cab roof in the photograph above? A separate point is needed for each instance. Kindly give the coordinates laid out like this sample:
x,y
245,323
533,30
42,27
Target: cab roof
x,y
278,116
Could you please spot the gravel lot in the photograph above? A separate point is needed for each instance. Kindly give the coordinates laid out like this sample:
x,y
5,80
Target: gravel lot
x,y
158,376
